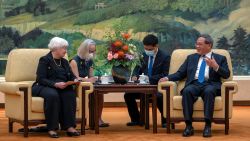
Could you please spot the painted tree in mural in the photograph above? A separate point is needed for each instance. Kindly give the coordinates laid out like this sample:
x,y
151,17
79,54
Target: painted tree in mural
x,y
37,7
12,34
247,47
239,50
6,45
9,39
223,43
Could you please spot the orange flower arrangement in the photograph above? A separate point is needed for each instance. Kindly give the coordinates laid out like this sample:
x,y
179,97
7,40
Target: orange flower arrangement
x,y
121,51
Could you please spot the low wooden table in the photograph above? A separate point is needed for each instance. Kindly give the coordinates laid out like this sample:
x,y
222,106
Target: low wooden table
x,y
127,88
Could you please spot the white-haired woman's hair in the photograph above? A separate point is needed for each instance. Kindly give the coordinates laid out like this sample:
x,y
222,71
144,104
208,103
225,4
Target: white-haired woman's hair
x,y
57,42
83,50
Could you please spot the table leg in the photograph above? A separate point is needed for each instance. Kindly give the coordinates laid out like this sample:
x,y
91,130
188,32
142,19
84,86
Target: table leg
x,y
96,113
154,111
147,111
142,108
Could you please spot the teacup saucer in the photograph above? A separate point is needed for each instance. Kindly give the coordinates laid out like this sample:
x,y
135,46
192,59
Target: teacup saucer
x,y
143,83
105,83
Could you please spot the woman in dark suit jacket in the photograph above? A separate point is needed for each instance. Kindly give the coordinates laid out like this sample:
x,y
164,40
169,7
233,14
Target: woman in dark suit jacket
x,y
59,98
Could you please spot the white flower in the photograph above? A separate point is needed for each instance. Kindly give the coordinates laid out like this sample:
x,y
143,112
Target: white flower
x,y
132,45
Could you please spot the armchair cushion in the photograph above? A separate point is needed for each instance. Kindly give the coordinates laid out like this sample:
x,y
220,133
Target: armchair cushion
x,y
37,104
198,105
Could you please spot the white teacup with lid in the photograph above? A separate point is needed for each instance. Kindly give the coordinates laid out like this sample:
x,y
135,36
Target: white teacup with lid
x,y
143,79
105,79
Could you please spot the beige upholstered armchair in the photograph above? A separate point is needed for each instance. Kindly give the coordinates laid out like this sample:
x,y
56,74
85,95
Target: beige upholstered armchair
x,y
20,106
172,105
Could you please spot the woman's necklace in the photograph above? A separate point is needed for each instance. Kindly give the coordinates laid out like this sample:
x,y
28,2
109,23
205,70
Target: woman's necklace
x,y
59,63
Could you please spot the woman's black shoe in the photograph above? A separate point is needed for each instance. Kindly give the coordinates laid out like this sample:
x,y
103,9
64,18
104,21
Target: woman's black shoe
x,y
53,135
104,125
71,134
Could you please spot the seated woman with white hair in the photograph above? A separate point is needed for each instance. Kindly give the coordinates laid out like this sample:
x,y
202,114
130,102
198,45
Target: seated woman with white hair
x,y
59,98
82,67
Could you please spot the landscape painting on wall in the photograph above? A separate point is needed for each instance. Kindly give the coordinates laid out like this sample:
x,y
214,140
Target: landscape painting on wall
x,y
177,23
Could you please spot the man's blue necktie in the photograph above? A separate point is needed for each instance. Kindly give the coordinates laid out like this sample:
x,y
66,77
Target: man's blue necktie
x,y
201,76
150,67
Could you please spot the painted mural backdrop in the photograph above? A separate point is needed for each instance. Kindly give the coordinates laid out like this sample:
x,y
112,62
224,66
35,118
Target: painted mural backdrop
x,y
177,23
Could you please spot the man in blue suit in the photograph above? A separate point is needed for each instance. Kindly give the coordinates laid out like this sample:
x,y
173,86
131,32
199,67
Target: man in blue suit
x,y
203,71
155,64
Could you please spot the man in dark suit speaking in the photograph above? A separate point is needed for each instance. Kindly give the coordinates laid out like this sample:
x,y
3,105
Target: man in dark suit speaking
x,y
154,64
203,71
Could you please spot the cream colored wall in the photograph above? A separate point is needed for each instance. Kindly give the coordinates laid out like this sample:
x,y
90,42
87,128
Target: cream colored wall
x,y
243,88
1,94
114,97
1,98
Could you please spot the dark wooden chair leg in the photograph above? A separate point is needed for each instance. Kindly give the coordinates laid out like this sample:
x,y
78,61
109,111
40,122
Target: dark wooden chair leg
x,y
91,112
25,121
10,126
228,89
26,130
168,121
227,127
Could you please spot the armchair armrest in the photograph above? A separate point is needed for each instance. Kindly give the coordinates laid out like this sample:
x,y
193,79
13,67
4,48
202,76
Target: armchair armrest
x,y
172,85
87,84
14,87
232,85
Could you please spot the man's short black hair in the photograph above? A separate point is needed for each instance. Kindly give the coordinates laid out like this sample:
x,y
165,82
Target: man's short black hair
x,y
208,39
150,40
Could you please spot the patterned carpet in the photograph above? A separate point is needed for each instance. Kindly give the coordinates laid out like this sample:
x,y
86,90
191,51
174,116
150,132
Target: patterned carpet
x,y
118,131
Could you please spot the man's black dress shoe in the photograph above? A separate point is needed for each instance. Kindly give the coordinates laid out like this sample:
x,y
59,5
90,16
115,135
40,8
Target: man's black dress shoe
x,y
71,134
189,131
135,124
207,132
